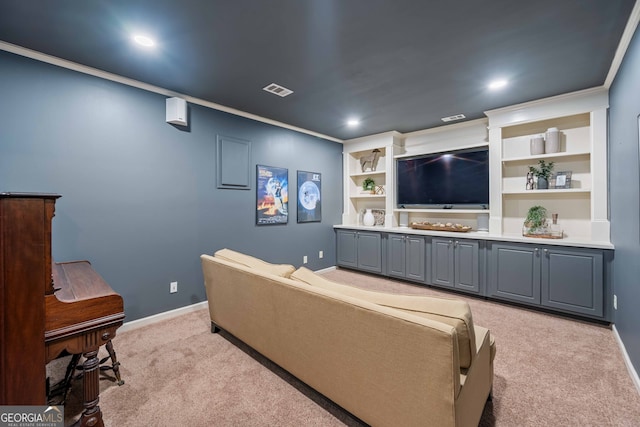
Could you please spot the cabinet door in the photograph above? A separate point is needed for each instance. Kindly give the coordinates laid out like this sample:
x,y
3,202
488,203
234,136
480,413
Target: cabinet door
x,y
467,269
347,248
397,255
370,252
572,280
415,258
442,272
514,272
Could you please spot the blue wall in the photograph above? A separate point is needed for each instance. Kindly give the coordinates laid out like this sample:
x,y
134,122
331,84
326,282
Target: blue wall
x,y
624,101
139,197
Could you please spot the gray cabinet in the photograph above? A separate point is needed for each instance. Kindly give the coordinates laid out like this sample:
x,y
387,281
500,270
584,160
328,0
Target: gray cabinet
x,y
514,272
455,263
572,280
370,252
359,249
406,257
347,248
561,278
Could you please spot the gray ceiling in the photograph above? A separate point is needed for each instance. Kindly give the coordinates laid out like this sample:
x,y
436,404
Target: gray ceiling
x,y
395,64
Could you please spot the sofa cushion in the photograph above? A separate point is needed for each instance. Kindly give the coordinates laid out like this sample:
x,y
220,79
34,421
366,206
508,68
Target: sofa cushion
x,y
282,270
452,312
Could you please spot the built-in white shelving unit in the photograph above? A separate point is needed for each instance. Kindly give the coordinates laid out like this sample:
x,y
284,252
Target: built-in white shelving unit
x,y
395,146
582,208
356,200
581,120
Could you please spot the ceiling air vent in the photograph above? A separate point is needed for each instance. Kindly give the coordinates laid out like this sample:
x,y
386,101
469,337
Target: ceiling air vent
x,y
453,118
277,90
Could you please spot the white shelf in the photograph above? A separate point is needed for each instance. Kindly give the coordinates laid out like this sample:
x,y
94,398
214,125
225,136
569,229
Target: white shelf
x,y
367,196
559,155
359,174
445,211
549,191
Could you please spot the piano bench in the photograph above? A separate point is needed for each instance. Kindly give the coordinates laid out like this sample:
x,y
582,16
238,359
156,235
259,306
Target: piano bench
x,y
115,365
64,386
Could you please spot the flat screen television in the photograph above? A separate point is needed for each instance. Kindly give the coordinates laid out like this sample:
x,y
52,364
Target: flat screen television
x,y
448,180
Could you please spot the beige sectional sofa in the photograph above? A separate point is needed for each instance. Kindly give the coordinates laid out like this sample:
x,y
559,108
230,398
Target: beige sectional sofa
x,y
391,360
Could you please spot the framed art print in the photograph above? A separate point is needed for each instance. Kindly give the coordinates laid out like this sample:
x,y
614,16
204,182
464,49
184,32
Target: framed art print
x,y
561,180
309,197
272,195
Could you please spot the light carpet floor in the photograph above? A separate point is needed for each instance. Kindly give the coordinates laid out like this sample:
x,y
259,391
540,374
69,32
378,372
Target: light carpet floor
x,y
549,371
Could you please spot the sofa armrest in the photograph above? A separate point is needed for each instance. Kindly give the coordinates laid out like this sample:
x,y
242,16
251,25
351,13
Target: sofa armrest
x,y
283,270
476,382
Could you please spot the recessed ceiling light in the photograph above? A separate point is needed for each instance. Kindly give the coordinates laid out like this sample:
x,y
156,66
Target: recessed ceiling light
x,y
353,123
498,84
143,40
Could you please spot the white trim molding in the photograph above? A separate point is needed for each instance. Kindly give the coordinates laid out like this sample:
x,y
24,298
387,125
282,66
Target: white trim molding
x,y
150,320
627,361
627,35
326,270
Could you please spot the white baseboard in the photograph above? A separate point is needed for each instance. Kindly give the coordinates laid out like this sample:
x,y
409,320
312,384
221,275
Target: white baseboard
x,y
627,361
135,324
326,270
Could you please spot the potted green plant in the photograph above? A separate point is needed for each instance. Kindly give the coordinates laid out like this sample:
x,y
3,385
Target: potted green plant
x,y
543,173
368,184
536,221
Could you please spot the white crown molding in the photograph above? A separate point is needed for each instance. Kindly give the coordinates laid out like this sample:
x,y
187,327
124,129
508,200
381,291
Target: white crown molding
x,y
627,35
39,56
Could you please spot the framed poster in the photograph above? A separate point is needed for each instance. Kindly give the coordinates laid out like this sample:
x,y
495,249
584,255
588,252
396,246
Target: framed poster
x,y
309,200
272,195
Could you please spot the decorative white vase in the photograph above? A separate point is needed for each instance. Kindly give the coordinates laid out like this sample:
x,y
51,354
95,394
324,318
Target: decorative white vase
x,y
536,145
552,142
368,219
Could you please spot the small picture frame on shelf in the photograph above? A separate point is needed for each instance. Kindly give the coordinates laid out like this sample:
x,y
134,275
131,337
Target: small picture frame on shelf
x,y
378,214
561,180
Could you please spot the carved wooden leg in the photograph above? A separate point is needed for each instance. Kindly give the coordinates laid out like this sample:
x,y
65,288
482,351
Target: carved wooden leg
x,y
92,416
214,328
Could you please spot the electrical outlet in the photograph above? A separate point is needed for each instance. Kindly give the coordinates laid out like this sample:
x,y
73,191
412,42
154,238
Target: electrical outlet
x,y
320,254
173,287
615,302
304,259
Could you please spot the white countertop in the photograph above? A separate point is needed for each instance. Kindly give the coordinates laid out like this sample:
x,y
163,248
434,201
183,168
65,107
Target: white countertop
x,y
582,243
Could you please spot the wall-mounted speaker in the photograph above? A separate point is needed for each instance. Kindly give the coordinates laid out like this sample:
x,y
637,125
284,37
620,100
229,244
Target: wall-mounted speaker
x,y
177,111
